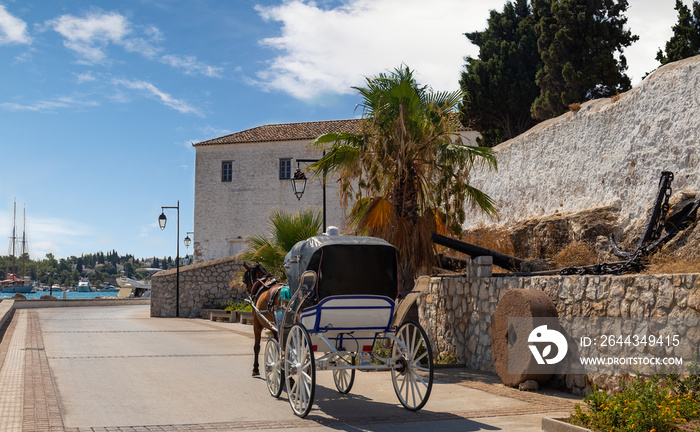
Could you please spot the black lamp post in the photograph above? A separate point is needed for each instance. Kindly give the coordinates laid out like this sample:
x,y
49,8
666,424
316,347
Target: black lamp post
x,y
299,185
161,222
52,274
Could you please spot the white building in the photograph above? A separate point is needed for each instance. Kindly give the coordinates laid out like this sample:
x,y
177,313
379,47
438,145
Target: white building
x,y
242,178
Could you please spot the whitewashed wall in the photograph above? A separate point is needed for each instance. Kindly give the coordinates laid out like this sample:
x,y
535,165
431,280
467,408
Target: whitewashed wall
x,y
608,153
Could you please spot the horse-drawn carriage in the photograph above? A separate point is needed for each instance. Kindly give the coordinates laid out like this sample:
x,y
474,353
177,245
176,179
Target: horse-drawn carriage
x,y
339,309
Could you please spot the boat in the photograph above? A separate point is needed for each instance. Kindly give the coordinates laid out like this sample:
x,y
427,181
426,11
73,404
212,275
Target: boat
x,y
56,287
136,288
13,283
84,285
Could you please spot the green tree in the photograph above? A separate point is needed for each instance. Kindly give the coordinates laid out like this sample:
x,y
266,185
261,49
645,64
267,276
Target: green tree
x,y
407,169
128,269
286,230
581,44
685,41
499,86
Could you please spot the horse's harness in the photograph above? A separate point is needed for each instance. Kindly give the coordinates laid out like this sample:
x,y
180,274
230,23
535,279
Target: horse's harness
x,y
266,283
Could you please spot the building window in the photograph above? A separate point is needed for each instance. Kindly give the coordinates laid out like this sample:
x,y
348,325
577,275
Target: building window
x,y
226,171
285,169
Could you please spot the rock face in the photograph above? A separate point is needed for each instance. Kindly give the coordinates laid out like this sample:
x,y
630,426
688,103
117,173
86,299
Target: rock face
x,y
609,153
544,237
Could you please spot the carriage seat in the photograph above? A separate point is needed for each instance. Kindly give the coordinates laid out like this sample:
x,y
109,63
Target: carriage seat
x,y
349,313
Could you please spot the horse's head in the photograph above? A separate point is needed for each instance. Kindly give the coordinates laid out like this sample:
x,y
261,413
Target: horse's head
x,y
252,275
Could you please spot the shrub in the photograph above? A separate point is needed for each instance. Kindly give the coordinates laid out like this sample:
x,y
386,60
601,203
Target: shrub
x,y
645,406
231,305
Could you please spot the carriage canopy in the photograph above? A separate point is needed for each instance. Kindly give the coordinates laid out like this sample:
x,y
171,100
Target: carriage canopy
x,y
345,265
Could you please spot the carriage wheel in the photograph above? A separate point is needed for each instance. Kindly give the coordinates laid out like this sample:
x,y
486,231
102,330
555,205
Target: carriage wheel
x,y
299,370
274,375
413,379
344,378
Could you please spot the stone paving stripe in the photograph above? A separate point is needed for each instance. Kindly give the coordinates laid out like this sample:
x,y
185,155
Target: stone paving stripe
x,y
41,412
129,331
12,379
148,356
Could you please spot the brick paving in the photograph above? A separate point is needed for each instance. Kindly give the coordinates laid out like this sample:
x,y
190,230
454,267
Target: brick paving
x,y
12,380
40,410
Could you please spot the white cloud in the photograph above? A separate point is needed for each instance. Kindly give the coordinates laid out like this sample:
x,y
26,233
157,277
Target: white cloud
x,y
50,105
89,36
191,66
330,50
12,29
152,91
652,21
44,234
86,77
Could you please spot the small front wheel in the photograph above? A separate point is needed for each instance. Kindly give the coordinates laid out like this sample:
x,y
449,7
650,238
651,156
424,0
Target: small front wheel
x,y
412,374
299,370
274,374
344,378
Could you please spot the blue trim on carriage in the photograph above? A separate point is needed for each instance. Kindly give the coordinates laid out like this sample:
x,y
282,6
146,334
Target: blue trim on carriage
x,y
318,308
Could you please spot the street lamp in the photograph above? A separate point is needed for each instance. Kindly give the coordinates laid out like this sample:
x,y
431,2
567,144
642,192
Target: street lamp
x,y
188,240
162,219
299,185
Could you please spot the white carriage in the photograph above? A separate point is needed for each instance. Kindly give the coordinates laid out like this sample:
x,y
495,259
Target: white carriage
x,y
341,306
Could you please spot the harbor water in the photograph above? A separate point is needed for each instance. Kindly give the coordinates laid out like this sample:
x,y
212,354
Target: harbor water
x,y
69,294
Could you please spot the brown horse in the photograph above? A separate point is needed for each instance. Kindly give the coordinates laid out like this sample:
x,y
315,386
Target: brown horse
x,y
264,290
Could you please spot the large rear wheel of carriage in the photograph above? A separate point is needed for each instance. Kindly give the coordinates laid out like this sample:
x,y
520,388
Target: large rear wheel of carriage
x,y
344,378
274,374
413,373
299,370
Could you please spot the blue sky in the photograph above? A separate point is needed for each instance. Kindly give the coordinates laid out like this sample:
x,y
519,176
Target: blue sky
x,y
100,101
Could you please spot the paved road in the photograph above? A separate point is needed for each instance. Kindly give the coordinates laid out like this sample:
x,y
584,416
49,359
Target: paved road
x,y
117,369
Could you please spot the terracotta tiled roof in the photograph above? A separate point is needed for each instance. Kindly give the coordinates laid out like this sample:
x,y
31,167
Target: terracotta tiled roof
x,y
286,132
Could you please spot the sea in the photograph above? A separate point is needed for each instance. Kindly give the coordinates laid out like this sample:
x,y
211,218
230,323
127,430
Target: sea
x,y
69,294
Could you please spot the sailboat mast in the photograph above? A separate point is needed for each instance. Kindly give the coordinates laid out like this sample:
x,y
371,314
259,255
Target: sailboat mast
x,y
14,238
24,241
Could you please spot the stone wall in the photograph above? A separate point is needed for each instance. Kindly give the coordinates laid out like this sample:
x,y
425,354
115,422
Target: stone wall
x,y
457,310
202,286
609,153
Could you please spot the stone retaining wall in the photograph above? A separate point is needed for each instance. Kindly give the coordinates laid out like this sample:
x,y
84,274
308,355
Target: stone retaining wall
x,y
202,286
457,310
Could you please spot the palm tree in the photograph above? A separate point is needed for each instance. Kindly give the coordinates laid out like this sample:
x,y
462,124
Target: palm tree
x,y
407,169
286,231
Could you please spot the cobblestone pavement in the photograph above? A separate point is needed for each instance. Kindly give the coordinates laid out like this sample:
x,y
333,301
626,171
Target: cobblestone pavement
x,y
30,402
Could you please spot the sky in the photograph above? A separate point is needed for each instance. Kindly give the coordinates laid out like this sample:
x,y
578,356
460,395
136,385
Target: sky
x,y
100,101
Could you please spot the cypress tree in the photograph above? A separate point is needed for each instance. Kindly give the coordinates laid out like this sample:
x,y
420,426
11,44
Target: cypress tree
x,y
581,44
499,86
685,41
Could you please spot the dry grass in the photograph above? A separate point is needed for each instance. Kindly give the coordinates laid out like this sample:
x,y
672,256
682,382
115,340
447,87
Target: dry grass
x,y
489,237
574,107
576,253
616,97
494,238
669,263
